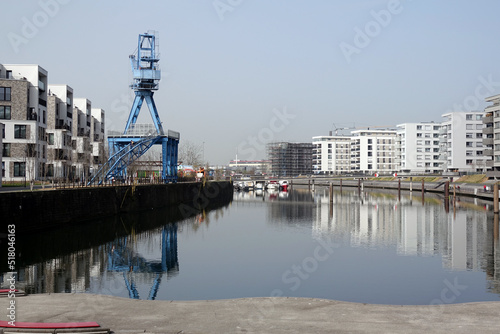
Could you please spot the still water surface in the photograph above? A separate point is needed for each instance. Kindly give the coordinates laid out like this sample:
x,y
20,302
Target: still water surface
x,y
370,248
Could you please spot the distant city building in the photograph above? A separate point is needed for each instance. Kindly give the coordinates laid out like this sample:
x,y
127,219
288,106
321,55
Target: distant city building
x,y
258,166
462,142
290,159
331,154
491,136
417,147
374,151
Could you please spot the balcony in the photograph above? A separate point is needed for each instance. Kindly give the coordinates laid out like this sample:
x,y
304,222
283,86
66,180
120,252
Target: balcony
x,y
488,152
489,163
487,119
488,141
488,130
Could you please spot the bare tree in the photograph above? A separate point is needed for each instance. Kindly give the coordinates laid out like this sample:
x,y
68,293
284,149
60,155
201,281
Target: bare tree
x,y
190,153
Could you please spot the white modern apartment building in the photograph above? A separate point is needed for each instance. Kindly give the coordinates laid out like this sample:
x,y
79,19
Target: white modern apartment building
x,y
97,137
418,147
374,151
331,154
82,157
461,142
23,111
59,124
491,136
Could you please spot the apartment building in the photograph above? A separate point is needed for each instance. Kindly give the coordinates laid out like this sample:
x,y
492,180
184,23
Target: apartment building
x,y
331,154
82,154
491,136
97,139
461,142
374,151
23,111
59,136
418,147
2,135
47,133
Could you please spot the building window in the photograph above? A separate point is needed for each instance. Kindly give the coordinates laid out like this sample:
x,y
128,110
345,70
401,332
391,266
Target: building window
x,y
19,169
4,112
51,138
50,170
20,131
479,117
468,126
6,150
468,144
479,126
419,127
468,117
419,135
468,135
369,166
4,93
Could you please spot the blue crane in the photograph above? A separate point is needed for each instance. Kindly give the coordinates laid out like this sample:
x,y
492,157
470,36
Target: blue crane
x,y
136,139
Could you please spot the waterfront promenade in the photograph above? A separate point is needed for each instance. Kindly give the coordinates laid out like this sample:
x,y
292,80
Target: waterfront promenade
x,y
257,315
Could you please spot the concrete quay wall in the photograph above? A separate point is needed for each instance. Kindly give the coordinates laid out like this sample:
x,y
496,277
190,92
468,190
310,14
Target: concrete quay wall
x,y
40,210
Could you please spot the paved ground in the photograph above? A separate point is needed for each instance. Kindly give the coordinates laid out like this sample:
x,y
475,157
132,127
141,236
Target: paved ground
x,y
256,315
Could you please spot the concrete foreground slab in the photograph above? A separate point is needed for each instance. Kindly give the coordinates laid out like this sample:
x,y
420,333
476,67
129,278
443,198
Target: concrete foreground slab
x,y
255,315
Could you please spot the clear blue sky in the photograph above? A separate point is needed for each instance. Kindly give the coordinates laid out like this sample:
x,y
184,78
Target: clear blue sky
x,y
228,70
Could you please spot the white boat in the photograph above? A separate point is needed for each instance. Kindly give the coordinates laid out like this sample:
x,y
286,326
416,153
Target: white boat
x,y
272,185
283,185
259,185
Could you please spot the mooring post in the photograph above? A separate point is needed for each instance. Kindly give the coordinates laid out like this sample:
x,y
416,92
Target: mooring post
x,y
495,226
399,189
447,196
341,186
359,185
454,194
309,184
331,192
423,189
495,198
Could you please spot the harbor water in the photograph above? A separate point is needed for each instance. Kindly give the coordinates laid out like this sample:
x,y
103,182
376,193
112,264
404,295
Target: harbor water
x,y
368,247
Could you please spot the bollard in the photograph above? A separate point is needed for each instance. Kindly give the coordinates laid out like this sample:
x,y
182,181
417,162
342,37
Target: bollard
x,y
341,186
495,198
359,186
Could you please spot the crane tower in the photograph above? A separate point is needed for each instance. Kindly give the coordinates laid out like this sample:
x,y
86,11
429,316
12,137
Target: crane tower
x,y
136,139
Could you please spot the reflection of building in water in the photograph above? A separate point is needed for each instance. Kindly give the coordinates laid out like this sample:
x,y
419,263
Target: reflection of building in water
x,y
463,237
296,207
144,259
